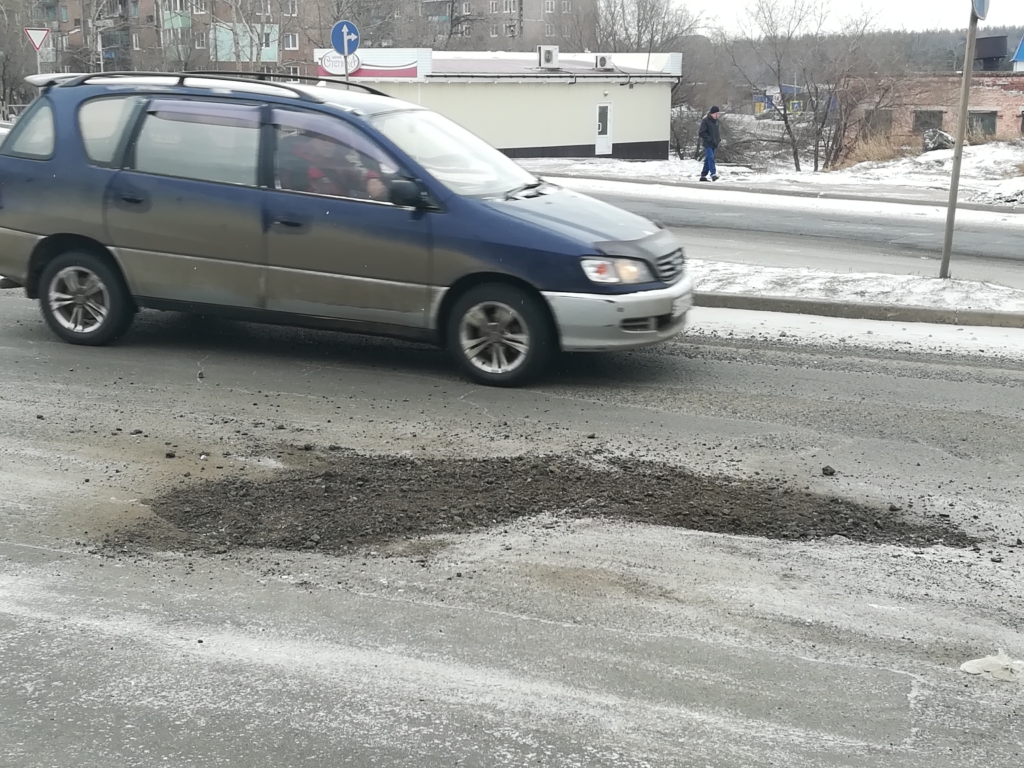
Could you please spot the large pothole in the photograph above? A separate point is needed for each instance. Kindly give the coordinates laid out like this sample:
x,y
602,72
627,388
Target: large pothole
x,y
358,500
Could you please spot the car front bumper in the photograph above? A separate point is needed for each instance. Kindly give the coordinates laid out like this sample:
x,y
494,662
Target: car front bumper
x,y
589,322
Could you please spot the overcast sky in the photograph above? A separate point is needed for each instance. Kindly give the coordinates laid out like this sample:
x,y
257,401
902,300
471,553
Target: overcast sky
x,y
889,14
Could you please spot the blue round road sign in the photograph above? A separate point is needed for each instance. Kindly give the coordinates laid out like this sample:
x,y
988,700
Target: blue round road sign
x,y
345,38
981,9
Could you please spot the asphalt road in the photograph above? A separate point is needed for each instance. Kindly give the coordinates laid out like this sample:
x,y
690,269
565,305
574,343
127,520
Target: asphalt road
x,y
778,232
546,642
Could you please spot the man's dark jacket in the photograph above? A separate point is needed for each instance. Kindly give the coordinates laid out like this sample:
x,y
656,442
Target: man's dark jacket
x,y
709,132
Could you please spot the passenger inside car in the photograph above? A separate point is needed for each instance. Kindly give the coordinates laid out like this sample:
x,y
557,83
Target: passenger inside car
x,y
310,162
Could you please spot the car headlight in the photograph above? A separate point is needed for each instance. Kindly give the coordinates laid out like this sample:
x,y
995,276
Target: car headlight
x,y
627,271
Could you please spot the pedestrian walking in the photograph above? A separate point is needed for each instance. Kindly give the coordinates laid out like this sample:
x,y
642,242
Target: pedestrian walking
x,y
710,137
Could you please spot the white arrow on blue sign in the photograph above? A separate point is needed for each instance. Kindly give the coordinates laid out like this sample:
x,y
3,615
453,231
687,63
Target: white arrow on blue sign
x,y
345,38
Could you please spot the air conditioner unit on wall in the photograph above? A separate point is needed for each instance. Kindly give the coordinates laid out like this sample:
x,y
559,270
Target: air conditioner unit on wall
x,y
547,56
604,62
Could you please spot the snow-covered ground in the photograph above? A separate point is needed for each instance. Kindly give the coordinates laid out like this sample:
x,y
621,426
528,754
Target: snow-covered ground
x,y
992,173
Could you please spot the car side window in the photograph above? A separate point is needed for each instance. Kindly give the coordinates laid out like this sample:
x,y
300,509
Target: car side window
x,y
36,137
102,122
202,140
321,155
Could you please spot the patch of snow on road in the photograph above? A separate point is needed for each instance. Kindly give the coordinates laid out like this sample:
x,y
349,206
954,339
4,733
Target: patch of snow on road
x,y
712,195
1009,192
866,288
811,330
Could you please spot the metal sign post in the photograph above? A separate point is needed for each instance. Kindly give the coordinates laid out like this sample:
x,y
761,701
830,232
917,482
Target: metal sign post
x,y
345,40
979,10
37,36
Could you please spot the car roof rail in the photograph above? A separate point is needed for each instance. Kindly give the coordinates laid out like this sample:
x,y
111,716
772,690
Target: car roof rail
x,y
68,80
53,78
262,77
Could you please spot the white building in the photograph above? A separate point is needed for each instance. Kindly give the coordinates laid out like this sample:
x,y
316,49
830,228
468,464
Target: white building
x,y
561,105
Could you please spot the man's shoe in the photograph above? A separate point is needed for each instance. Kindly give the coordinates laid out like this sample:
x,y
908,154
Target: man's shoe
x,y
714,178
703,178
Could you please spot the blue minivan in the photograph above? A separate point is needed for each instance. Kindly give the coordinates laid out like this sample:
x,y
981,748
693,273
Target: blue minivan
x,y
320,206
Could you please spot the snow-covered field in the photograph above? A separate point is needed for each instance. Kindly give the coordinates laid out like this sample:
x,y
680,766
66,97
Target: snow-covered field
x,y
991,173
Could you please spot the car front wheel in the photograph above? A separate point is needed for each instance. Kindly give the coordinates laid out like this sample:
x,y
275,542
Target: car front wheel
x,y
84,300
500,335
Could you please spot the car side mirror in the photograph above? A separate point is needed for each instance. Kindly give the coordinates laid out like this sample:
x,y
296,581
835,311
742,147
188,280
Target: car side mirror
x,y
406,193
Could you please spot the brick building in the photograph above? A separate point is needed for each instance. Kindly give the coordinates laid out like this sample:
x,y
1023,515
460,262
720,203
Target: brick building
x,y
932,100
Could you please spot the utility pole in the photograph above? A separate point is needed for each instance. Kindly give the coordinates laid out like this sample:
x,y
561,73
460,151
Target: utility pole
x,y
979,10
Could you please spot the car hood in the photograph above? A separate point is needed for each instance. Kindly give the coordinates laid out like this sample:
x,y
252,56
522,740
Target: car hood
x,y
598,226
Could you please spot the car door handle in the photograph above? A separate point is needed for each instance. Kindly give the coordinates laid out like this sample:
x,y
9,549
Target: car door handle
x,y
133,198
292,222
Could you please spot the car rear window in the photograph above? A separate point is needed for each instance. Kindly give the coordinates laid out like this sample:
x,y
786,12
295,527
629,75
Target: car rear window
x,y
36,135
206,141
101,122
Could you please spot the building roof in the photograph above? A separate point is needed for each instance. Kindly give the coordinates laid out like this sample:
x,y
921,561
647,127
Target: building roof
x,y
482,64
1019,56
424,64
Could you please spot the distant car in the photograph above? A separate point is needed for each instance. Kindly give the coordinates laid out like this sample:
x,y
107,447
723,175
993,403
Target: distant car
x,y
320,207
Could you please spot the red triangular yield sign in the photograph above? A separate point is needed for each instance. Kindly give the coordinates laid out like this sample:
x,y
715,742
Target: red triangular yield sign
x,y
37,37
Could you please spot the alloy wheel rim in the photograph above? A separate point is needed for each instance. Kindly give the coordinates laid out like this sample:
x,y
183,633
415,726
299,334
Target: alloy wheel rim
x,y
494,337
78,299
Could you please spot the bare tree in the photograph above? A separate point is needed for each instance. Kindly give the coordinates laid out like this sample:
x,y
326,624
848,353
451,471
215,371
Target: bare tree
x,y
17,59
653,26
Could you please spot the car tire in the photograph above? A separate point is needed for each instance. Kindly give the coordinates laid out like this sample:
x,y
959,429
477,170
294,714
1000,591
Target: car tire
x,y
84,299
501,335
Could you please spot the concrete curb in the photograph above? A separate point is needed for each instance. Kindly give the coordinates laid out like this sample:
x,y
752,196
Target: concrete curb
x,y
1019,209
891,312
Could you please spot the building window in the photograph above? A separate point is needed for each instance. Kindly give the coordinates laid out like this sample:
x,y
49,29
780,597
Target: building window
x,y
290,40
494,6
294,72
467,8
199,6
494,30
549,6
133,9
565,30
64,14
200,39
927,119
510,6
178,6
549,30
510,30
265,9
266,40
135,42
291,8
983,123
566,6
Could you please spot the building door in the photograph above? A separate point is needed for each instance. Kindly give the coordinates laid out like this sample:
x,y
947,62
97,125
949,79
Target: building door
x,y
603,146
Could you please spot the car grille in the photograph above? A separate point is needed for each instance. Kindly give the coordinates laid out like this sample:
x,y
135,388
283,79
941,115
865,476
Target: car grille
x,y
670,266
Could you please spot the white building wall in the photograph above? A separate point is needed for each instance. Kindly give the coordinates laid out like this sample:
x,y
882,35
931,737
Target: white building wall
x,y
549,118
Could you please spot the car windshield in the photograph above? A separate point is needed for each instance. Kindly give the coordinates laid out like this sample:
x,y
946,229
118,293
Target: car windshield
x,y
463,162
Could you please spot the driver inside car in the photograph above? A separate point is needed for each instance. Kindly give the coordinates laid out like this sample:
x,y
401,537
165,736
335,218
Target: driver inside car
x,y
312,163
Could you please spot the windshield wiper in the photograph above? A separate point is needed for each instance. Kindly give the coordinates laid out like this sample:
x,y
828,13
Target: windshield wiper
x,y
513,193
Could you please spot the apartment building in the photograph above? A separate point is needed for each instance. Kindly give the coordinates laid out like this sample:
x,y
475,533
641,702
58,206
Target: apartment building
x,y
512,25
275,36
